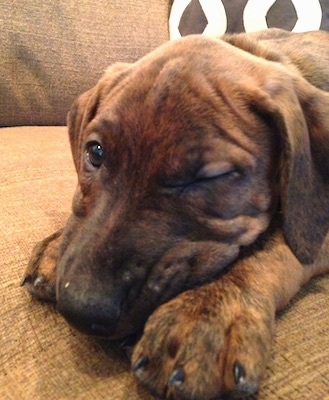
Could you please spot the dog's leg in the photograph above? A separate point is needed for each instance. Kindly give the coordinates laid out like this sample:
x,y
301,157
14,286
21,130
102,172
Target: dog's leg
x,y
215,340
40,275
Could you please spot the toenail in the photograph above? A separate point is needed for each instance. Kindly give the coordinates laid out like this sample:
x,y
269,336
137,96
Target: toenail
x,y
177,377
26,279
239,373
38,281
140,363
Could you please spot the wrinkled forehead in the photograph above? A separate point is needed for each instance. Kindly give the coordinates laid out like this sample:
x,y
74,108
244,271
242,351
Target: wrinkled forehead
x,y
184,91
183,83
170,107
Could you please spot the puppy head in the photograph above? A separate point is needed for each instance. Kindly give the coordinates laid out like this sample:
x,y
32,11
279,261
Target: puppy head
x,y
177,163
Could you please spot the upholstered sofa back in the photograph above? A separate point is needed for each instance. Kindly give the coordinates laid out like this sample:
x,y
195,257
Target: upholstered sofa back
x,y
51,51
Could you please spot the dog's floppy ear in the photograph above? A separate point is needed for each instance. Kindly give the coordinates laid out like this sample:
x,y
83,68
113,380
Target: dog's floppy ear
x,y
80,112
84,108
300,112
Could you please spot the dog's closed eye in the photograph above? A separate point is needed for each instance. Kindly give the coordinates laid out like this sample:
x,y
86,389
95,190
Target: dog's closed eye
x,y
210,172
214,171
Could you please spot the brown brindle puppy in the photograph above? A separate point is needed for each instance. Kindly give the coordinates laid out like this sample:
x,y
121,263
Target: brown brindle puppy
x,y
202,206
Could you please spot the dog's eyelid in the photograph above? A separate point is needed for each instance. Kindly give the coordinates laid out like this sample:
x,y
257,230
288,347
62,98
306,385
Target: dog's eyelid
x,y
212,171
207,173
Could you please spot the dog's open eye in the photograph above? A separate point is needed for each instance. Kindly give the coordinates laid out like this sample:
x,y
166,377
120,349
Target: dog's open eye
x,y
95,153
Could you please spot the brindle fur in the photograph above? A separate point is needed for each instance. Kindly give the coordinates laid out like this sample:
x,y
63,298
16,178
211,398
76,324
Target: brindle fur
x,y
160,236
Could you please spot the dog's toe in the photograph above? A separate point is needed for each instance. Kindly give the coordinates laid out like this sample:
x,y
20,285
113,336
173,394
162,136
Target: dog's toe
x,y
39,287
40,275
187,354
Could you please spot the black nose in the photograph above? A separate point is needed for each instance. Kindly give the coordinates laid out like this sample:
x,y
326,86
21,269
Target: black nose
x,y
92,313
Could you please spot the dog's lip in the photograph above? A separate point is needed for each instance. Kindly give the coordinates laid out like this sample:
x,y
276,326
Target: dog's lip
x,y
101,330
94,329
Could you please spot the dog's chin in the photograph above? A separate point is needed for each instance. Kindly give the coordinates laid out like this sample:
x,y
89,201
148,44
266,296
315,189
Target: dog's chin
x,y
103,318
102,329
107,333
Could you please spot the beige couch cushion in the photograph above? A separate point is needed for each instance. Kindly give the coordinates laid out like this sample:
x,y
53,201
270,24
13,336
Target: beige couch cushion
x,y
51,51
41,358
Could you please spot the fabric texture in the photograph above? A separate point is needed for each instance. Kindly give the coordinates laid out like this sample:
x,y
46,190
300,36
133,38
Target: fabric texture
x,y
51,51
216,17
42,358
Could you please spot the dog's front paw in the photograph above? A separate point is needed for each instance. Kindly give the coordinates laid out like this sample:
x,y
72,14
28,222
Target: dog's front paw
x,y
207,343
40,275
